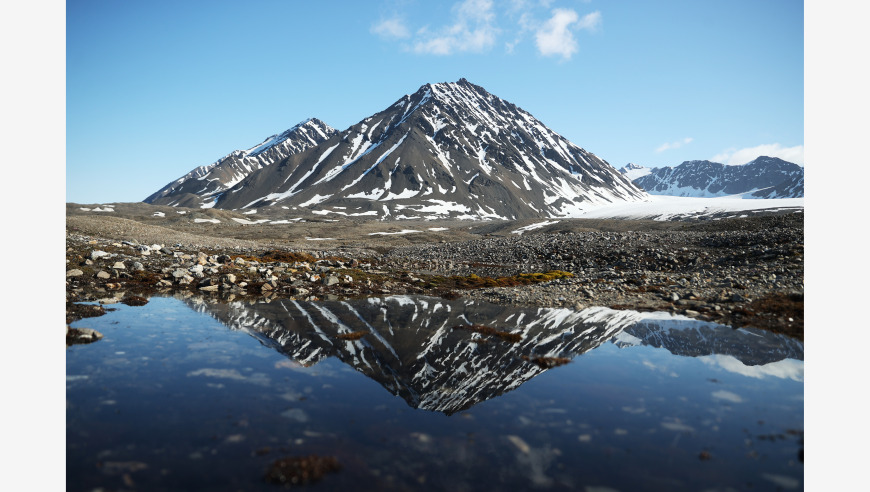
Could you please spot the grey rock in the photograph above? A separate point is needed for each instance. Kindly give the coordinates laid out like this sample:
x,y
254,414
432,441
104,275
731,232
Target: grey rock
x,y
738,298
103,274
83,335
75,272
119,265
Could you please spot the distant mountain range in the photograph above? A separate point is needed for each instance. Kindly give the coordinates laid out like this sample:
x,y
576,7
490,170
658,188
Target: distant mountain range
x,y
447,150
764,177
424,350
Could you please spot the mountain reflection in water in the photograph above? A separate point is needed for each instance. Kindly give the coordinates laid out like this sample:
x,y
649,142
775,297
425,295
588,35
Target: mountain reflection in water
x,y
436,356
203,394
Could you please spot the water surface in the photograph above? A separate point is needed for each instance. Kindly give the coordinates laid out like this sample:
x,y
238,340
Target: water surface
x,y
194,394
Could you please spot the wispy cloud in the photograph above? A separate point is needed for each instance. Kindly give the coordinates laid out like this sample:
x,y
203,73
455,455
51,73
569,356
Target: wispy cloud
x,y
736,157
556,36
674,145
391,29
727,396
473,31
477,25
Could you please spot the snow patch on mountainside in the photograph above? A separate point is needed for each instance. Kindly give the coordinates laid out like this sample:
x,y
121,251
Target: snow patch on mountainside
x,y
662,207
532,227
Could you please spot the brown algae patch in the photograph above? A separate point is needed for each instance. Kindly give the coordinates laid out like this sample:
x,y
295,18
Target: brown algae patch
x,y
354,335
490,331
132,300
300,470
76,311
474,281
547,362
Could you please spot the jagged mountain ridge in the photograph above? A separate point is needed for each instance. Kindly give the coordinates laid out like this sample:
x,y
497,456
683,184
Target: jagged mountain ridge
x,y
448,150
764,177
633,171
202,187
412,350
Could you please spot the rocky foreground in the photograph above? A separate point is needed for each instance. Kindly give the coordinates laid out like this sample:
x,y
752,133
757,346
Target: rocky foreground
x,y
738,272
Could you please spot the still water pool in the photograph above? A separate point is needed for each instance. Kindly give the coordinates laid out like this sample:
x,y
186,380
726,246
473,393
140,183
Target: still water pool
x,y
420,393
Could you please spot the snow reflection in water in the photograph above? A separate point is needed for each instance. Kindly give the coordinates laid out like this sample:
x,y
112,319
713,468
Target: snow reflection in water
x,y
172,399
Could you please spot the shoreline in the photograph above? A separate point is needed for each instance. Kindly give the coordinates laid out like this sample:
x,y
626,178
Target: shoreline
x,y
737,272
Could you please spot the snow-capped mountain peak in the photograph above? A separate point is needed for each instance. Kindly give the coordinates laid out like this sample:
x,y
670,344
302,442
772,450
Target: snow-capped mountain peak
x,y
205,184
311,131
633,171
450,149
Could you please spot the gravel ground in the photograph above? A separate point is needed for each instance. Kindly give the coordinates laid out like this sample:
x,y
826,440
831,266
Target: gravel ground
x,y
741,272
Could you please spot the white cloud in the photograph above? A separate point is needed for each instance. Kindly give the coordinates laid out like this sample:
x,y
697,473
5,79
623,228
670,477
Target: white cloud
x,y
393,28
674,145
473,31
590,22
736,157
555,37
474,28
727,396
783,369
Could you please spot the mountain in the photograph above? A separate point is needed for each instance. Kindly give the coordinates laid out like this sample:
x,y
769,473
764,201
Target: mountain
x,y
420,348
780,178
202,187
790,188
447,150
634,171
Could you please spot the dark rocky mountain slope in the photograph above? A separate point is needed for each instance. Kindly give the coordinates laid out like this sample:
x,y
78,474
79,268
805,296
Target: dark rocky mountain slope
x,y
448,150
202,187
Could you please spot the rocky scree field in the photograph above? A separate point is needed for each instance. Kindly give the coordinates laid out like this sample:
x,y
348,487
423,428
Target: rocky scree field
x,y
738,272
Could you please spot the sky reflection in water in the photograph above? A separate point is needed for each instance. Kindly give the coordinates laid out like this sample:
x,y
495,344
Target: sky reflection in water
x,y
189,394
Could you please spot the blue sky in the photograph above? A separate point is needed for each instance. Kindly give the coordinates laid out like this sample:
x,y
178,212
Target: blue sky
x,y
154,89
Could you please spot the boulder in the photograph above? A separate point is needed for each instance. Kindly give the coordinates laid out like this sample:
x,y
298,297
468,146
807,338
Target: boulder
x,y
95,254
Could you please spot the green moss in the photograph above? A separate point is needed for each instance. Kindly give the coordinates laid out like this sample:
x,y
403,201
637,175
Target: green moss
x,y
474,281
